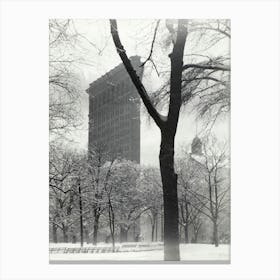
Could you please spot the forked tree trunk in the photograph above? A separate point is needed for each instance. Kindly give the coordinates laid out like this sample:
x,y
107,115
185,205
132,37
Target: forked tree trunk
x,y
170,198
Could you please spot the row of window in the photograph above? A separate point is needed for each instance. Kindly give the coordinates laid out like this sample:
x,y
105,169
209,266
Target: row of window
x,y
113,114
114,93
123,135
118,121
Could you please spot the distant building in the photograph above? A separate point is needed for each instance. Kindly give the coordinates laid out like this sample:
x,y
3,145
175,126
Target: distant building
x,y
114,113
114,119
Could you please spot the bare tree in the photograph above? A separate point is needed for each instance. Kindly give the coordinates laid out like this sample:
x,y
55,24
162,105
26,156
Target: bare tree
x,y
127,196
61,192
188,179
68,192
109,189
68,51
177,92
168,126
176,95
214,199
98,176
64,82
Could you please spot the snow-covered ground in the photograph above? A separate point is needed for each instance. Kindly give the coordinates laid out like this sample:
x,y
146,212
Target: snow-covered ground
x,y
188,252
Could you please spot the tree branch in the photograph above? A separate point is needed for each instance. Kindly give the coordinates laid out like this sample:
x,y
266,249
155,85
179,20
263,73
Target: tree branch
x,y
202,78
176,75
152,47
133,75
206,67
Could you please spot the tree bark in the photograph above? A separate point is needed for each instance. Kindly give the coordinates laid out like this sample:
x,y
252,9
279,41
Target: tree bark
x,y
161,225
186,227
215,234
195,236
112,223
156,227
81,215
87,235
54,233
186,230
170,197
196,229
153,230
65,235
95,226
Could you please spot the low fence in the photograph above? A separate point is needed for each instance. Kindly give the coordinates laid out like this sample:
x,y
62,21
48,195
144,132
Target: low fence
x,y
108,249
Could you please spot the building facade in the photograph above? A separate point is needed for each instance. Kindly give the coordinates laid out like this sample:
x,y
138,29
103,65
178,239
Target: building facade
x,y
114,113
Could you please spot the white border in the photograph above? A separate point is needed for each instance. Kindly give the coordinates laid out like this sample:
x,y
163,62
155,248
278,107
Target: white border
x,y
255,138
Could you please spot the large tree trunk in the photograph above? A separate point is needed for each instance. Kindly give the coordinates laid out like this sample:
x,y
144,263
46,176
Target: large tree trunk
x,y
95,226
170,198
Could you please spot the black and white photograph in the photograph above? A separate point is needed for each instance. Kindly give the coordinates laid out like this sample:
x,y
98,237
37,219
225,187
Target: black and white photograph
x,y
139,140
139,148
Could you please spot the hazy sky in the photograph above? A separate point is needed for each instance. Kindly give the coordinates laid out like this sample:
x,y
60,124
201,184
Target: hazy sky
x,y
136,36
